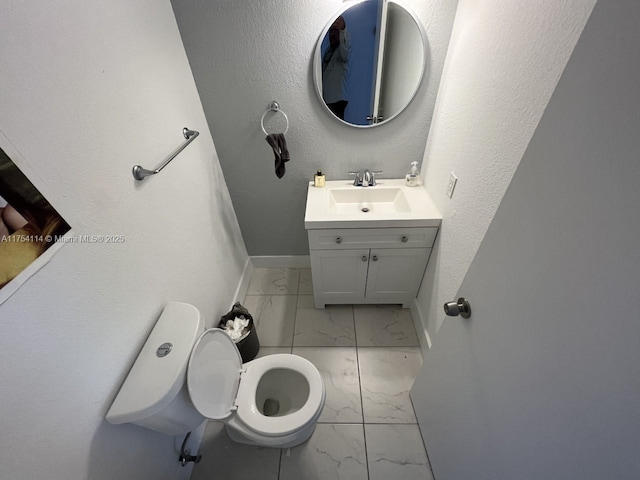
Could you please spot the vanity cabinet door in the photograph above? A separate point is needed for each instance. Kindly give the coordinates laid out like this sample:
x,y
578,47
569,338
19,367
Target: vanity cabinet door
x,y
396,273
339,276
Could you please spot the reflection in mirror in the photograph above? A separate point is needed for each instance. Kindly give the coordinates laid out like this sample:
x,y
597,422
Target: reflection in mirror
x,y
369,62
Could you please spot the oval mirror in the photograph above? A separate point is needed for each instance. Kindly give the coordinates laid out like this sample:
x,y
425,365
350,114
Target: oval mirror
x,y
369,62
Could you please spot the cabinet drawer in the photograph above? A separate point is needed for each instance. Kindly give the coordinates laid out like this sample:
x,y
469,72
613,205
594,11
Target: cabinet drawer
x,y
331,239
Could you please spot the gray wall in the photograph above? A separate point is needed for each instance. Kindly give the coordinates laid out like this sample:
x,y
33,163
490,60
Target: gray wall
x,y
243,55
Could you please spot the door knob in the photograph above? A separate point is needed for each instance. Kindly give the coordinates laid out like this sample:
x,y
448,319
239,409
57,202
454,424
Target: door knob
x,y
461,307
364,258
374,258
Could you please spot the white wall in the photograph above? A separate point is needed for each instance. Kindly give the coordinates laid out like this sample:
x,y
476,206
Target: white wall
x,y
90,88
246,53
504,61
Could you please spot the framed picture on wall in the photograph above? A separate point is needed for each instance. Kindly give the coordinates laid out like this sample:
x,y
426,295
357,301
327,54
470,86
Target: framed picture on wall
x,y
31,229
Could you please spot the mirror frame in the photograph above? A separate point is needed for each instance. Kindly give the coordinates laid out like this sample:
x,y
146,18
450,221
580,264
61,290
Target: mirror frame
x,y
317,61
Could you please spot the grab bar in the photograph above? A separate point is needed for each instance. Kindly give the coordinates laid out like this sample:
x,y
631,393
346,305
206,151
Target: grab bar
x,y
140,173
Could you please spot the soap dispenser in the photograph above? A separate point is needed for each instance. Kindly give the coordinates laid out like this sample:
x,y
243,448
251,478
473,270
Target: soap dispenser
x,y
413,177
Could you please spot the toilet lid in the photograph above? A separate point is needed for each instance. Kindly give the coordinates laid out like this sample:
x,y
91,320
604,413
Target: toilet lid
x,y
213,374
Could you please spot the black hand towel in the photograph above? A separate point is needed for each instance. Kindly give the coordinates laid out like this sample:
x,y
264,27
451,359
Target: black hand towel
x,y
280,151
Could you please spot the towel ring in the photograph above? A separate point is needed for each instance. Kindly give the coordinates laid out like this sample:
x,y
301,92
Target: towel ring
x,y
274,107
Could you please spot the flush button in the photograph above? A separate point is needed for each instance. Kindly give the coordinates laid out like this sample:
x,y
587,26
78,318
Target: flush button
x,y
164,349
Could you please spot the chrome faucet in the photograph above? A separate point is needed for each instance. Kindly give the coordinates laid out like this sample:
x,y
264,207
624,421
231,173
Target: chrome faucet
x,y
365,178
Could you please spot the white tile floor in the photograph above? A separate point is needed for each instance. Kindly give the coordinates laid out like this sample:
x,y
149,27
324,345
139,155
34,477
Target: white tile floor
x,y
368,356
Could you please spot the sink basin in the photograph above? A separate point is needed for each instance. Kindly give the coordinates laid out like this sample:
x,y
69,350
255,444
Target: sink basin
x,y
368,200
389,204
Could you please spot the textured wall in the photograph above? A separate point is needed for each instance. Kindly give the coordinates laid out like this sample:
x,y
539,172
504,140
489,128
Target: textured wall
x,y
504,62
90,88
245,54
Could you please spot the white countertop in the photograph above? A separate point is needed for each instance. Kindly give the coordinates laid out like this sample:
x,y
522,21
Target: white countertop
x,y
415,206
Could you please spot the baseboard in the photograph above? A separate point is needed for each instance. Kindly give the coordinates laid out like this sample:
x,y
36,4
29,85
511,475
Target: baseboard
x,y
243,285
281,261
423,335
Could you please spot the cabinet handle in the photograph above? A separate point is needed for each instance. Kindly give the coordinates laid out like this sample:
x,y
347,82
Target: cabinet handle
x,y
338,239
405,239
374,258
364,258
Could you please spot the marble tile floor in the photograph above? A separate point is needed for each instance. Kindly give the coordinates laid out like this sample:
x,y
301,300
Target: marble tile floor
x,y
369,357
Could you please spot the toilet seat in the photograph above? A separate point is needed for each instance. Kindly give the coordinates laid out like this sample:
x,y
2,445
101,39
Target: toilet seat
x,y
219,384
249,413
213,374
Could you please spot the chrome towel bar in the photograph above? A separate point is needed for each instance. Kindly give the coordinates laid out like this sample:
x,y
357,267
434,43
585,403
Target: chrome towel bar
x,y
140,173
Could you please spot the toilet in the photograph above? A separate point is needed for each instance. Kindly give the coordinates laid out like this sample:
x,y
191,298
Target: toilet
x,y
184,375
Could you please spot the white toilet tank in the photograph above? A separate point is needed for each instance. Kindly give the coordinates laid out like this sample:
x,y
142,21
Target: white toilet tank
x,y
154,394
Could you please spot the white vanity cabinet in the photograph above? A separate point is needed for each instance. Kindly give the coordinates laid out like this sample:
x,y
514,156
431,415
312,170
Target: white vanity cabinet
x,y
369,265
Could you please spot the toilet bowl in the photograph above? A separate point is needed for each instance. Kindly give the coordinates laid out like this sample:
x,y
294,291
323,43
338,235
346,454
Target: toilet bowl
x,y
184,376
271,401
